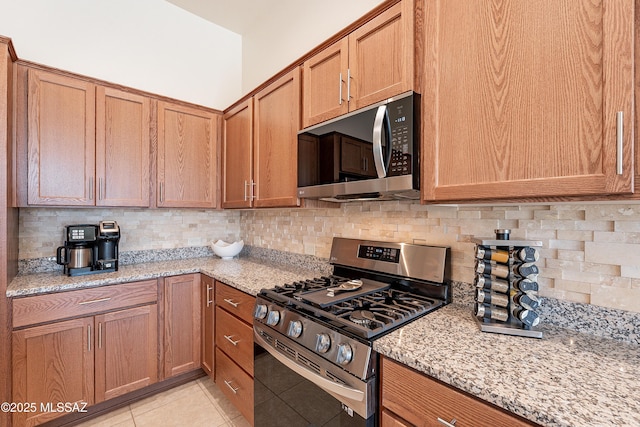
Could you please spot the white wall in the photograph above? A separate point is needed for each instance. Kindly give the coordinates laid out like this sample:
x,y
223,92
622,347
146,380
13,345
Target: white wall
x,y
150,45
292,29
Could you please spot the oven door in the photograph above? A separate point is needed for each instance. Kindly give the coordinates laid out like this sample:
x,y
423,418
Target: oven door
x,y
294,387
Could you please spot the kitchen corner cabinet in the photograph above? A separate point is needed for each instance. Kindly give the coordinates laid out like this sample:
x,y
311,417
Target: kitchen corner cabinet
x,y
87,359
181,324
208,325
187,156
234,347
260,147
87,145
409,398
374,62
508,115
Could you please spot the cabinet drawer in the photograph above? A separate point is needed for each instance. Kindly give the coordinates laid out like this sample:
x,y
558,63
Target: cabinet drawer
x,y
422,400
61,305
235,384
235,301
235,338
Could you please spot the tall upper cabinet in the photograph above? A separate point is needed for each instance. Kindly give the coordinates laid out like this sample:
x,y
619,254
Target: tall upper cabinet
x,y
527,99
87,145
260,147
187,156
374,62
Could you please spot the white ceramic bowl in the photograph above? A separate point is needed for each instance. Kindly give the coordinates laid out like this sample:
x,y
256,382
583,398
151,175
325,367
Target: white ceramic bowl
x,y
227,250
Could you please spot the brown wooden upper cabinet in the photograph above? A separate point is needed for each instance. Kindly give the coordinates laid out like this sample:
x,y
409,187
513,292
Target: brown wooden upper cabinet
x,y
87,145
260,147
187,162
527,99
372,63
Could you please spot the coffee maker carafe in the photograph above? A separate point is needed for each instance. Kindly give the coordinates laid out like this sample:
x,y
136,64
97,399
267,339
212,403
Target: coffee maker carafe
x,y
90,248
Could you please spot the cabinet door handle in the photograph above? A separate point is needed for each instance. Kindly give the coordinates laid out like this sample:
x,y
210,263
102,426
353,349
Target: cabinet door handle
x,y
93,301
340,81
89,338
451,423
209,300
253,186
230,301
233,389
619,140
161,192
230,339
91,188
100,335
348,84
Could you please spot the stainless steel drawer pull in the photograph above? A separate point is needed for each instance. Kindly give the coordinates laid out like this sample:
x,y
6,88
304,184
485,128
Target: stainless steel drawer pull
x,y
233,389
451,423
94,301
229,338
619,140
230,301
91,188
209,300
100,335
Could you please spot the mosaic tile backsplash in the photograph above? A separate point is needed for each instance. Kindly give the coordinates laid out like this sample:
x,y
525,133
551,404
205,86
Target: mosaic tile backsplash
x,y
590,252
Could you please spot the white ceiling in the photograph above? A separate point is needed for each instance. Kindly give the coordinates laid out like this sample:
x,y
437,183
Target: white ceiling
x,y
234,15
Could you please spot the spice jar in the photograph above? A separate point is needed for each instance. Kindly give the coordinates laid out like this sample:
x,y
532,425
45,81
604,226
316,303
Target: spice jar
x,y
493,284
497,255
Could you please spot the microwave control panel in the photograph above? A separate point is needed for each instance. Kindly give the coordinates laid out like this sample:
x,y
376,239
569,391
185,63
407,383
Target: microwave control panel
x,y
400,115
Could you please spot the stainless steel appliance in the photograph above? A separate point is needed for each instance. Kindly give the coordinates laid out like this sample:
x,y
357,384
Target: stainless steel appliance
x,y
314,362
90,248
369,154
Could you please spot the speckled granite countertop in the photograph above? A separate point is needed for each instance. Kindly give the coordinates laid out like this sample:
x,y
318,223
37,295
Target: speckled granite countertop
x,y
248,275
564,379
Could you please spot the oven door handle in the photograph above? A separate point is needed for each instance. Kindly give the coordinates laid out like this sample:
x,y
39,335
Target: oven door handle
x,y
329,386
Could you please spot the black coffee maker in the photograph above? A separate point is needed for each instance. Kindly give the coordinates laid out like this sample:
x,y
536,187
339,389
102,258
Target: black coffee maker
x,y
90,248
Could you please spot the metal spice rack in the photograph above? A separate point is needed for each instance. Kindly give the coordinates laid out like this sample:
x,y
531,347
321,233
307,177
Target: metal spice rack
x,y
499,298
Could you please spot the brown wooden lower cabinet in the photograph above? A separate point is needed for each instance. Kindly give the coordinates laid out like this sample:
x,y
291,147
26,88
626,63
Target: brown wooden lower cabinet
x,y
126,351
84,360
234,347
52,363
181,324
235,383
424,401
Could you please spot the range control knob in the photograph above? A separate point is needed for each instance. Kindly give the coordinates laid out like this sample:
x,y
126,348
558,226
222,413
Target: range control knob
x,y
323,343
295,329
345,354
260,312
273,317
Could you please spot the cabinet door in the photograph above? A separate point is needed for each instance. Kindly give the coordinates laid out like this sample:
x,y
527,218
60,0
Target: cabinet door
x,y
126,351
187,140
208,325
122,148
275,141
511,115
61,141
238,155
381,56
181,324
53,364
325,84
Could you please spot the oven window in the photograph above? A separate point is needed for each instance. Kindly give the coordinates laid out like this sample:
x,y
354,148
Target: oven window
x,y
284,398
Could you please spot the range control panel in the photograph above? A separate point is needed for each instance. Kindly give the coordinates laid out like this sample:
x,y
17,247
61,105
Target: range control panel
x,y
379,253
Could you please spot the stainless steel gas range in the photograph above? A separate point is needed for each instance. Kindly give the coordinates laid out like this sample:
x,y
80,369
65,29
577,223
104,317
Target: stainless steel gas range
x,y
314,359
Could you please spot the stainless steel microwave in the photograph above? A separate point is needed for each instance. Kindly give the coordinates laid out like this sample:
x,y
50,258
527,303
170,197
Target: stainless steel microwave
x,y
369,154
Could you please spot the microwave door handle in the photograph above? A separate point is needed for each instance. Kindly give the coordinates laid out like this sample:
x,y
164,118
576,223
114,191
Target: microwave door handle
x,y
379,126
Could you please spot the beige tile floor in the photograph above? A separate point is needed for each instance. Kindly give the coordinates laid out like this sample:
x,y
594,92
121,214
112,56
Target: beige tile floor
x,y
199,403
